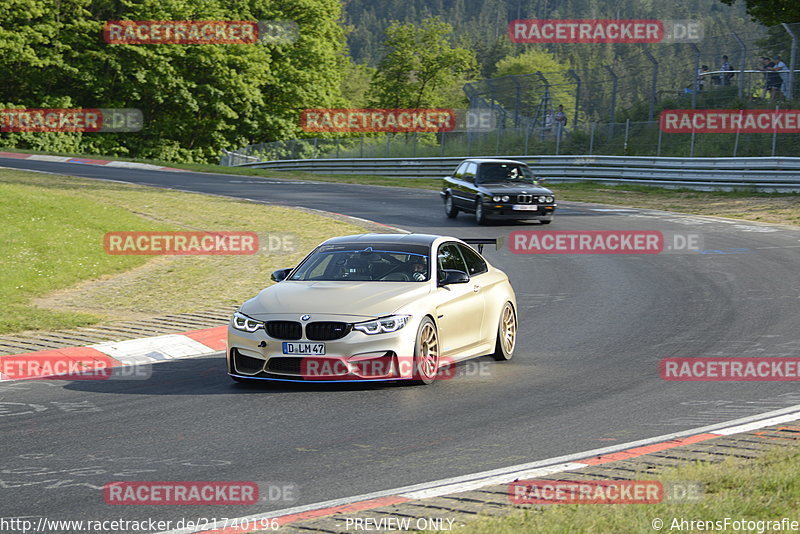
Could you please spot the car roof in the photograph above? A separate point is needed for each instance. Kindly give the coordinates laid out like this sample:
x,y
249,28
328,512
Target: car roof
x,y
494,160
405,239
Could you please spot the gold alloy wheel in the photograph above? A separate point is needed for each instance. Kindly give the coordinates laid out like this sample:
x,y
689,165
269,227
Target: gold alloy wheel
x,y
508,329
428,351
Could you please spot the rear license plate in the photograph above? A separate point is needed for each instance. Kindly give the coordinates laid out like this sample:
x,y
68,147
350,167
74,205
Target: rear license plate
x,y
525,208
310,349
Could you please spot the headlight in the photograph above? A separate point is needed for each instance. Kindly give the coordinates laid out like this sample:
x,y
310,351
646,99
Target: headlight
x,y
246,324
550,199
498,198
542,199
392,323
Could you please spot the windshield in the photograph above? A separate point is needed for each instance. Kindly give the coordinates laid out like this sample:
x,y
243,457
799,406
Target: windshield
x,y
504,172
373,263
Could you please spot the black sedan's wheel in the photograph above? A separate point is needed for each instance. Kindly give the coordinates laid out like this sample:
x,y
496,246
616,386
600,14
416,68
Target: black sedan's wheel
x,y
426,353
480,214
506,334
546,222
450,208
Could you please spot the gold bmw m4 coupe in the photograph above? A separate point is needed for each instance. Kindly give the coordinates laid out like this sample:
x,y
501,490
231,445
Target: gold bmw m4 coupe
x,y
375,307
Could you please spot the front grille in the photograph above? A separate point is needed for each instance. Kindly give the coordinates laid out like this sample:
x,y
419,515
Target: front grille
x,y
284,329
524,199
326,330
285,364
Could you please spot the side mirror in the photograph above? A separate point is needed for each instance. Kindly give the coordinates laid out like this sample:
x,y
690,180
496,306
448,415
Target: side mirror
x,y
281,274
452,276
540,180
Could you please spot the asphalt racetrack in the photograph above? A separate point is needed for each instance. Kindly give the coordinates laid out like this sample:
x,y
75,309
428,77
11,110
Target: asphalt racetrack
x,y
593,329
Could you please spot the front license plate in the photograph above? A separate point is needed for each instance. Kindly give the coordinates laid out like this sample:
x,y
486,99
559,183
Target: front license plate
x,y
311,349
525,208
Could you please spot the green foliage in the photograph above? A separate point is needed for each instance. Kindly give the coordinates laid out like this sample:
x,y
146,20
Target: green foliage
x,y
196,99
355,84
771,12
419,63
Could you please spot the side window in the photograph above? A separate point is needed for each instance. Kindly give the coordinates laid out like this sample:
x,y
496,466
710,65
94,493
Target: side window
x,y
475,264
459,174
450,258
469,174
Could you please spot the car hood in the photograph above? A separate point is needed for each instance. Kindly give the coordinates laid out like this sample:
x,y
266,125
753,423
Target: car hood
x,y
358,299
508,187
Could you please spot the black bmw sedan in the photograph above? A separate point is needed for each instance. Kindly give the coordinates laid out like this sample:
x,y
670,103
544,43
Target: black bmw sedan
x,y
497,189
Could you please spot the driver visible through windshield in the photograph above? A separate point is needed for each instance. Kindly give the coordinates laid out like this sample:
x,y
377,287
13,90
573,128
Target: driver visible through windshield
x,y
388,263
503,172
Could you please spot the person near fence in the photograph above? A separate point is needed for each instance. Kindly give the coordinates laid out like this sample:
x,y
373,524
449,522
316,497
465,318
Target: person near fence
x,y
783,72
772,80
701,80
560,121
728,71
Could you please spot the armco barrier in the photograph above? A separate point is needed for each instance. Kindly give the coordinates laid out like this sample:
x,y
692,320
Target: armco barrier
x,y
781,174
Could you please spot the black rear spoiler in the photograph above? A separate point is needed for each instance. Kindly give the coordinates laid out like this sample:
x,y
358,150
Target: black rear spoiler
x,y
498,242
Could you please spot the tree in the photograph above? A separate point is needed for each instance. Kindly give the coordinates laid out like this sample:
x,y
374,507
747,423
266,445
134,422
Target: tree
x,y
771,12
419,63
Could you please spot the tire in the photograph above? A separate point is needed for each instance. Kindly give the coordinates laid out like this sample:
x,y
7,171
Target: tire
x,y
450,208
426,346
506,334
480,215
546,222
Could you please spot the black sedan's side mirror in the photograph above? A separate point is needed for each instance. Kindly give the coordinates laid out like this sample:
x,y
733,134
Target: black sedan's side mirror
x,y
281,274
452,276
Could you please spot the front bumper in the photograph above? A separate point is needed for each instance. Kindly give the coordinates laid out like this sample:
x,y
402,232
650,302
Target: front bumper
x,y
501,211
354,357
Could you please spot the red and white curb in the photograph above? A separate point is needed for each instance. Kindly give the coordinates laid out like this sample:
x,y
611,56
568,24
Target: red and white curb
x,y
474,481
87,161
146,350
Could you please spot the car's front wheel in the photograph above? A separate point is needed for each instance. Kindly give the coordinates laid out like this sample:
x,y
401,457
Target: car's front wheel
x,y
480,214
546,222
506,334
450,208
426,353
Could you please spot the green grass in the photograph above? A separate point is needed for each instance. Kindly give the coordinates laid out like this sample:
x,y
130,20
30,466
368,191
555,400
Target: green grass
x,y
767,488
55,272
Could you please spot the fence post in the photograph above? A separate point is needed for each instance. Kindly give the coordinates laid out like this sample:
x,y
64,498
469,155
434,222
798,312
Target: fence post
x,y
577,95
775,130
591,138
414,152
387,145
337,147
696,84
651,112
660,134
613,110
738,131
558,138
743,60
441,152
315,148
691,148
792,60
627,131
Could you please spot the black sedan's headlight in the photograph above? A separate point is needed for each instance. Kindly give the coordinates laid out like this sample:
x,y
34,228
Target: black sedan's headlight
x,y
244,323
501,198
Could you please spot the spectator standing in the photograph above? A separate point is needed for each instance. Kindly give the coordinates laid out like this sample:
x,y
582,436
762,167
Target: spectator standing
x,y
726,67
772,80
783,72
701,79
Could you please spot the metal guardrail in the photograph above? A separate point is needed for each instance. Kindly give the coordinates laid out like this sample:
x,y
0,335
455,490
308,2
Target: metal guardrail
x,y
780,174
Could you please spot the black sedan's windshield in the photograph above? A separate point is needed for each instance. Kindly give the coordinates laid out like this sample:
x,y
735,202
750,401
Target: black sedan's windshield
x,y
503,172
385,263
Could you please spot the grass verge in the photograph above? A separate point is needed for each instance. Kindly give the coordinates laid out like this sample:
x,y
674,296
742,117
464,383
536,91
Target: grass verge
x,y
767,488
56,274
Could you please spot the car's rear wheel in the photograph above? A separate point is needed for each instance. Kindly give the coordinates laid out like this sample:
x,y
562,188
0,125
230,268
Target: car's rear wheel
x,y
426,353
450,208
480,214
506,334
